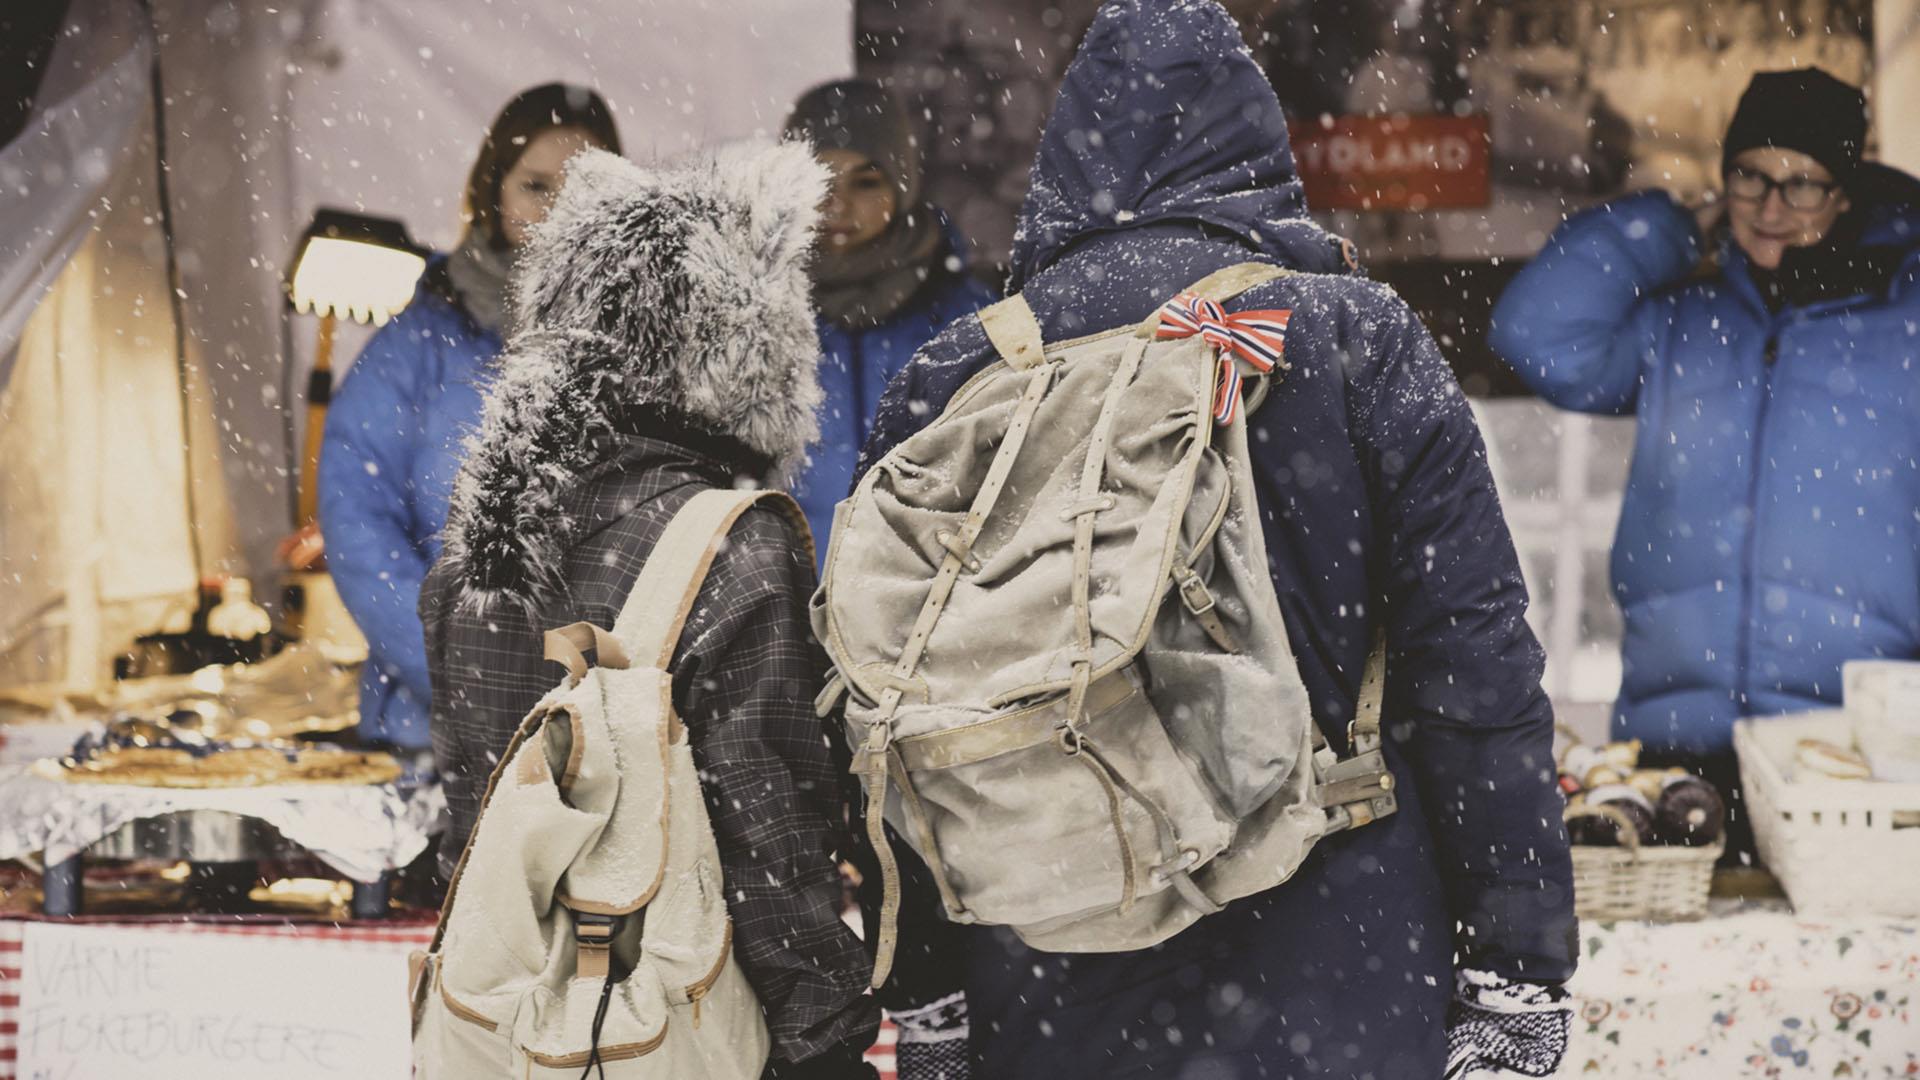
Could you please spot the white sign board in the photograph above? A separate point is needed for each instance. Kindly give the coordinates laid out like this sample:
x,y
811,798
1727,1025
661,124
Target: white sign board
x,y
112,1003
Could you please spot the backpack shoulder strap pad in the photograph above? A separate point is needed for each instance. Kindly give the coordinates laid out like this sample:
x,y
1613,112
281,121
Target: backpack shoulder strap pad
x,y
1228,282
1014,331
661,598
1222,285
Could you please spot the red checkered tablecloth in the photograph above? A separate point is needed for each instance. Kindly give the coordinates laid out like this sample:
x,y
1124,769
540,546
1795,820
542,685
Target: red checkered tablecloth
x,y
376,937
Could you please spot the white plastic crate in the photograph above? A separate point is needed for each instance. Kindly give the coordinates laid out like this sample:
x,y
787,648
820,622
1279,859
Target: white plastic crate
x,y
1838,846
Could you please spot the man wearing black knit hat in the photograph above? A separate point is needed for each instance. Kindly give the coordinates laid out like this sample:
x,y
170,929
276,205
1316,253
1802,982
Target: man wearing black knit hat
x,y
1765,342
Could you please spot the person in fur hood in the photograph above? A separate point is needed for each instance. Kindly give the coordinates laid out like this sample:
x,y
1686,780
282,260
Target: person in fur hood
x,y
664,346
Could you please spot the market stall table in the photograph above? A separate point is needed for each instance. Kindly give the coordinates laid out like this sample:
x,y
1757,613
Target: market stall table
x,y
363,831
1751,991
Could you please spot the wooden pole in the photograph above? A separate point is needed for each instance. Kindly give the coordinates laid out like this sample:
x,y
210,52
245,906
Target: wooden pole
x,y
319,392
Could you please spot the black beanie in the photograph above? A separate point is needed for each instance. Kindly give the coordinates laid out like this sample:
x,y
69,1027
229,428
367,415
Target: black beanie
x,y
1805,109
860,115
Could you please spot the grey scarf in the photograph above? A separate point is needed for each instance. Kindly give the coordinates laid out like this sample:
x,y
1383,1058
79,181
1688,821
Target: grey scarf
x,y
482,279
864,288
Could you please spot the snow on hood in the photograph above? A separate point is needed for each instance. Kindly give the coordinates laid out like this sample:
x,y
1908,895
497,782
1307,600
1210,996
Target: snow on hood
x,y
1165,117
683,288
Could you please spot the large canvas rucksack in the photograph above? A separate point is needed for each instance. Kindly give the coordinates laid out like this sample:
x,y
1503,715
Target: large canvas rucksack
x,y
1064,666
586,923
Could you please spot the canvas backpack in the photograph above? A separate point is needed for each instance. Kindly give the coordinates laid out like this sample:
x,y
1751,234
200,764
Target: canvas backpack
x,y
586,927
1063,661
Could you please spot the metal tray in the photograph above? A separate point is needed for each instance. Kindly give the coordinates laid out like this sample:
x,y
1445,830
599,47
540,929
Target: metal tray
x,y
200,836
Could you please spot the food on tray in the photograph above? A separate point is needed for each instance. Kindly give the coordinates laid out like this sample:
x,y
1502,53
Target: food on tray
x,y
1831,760
161,753
1689,811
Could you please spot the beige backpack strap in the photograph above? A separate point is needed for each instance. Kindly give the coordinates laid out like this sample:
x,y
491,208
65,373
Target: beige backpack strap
x,y
1363,734
662,597
1014,331
569,644
1358,788
1223,285
878,749
648,630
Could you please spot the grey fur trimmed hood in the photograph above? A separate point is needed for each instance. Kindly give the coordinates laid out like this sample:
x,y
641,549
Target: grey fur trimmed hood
x,y
683,288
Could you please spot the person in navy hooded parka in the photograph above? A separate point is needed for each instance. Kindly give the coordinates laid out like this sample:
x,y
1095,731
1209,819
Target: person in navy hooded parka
x,y
1166,158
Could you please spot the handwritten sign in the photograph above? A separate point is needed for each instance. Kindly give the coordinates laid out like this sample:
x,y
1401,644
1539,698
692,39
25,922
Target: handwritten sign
x,y
1393,162
109,1003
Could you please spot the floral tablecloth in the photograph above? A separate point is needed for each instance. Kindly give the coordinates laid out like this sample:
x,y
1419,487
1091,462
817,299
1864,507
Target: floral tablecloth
x,y
1747,994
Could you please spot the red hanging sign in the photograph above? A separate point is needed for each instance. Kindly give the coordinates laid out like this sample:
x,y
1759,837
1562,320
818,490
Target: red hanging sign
x,y
1393,162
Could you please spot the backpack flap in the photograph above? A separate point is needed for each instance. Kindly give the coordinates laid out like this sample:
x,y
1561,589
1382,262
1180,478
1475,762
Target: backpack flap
x,y
619,780
510,950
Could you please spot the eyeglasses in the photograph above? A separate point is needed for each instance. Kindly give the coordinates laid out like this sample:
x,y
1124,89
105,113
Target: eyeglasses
x,y
1798,192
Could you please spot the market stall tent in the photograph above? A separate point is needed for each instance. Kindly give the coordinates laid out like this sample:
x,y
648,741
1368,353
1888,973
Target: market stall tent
x,y
101,521
146,431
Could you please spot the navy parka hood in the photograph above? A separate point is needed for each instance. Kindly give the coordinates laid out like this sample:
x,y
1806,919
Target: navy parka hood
x,y
1164,117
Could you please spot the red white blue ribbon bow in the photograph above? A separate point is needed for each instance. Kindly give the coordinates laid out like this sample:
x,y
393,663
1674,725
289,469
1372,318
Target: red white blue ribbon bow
x,y
1258,337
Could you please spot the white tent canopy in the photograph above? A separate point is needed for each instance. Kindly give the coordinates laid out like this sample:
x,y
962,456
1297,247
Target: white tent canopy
x,y
270,112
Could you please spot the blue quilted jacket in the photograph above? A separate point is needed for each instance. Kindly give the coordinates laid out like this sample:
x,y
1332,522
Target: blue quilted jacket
x,y
1771,529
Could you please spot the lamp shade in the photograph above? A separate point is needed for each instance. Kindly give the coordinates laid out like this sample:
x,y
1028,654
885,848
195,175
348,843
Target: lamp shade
x,y
354,266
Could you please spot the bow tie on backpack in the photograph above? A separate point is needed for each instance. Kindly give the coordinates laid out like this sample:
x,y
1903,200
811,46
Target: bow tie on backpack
x,y
1063,662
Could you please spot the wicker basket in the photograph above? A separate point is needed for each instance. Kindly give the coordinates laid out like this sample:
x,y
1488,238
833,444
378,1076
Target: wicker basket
x,y
1660,883
1664,884
1837,846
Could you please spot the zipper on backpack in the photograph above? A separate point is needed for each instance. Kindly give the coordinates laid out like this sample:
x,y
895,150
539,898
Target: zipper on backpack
x,y
699,990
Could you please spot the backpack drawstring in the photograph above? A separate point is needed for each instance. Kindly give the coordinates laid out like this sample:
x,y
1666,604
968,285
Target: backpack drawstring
x,y
593,935
599,1018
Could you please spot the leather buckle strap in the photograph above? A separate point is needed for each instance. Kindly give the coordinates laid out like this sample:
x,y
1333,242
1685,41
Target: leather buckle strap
x,y
593,935
1363,734
1092,504
959,546
1199,602
1005,733
1014,332
1194,593
828,699
1356,790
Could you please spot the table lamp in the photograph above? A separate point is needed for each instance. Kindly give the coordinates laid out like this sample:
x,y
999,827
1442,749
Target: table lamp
x,y
352,266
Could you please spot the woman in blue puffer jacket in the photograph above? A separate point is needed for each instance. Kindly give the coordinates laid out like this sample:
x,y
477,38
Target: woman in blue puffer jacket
x,y
891,273
396,425
1769,532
